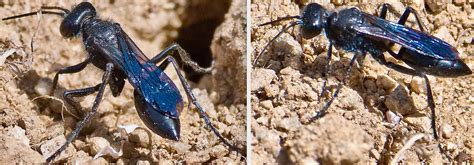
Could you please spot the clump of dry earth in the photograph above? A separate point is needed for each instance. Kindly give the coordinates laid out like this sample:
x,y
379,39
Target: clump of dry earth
x,y
32,124
377,111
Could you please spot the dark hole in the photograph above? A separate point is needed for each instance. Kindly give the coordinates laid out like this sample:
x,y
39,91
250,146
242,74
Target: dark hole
x,y
196,37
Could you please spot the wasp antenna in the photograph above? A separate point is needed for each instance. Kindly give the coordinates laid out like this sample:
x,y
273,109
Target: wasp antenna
x,y
273,39
34,13
280,19
57,8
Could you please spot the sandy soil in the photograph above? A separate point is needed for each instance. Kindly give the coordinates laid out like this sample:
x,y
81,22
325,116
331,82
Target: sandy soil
x,y
361,125
30,126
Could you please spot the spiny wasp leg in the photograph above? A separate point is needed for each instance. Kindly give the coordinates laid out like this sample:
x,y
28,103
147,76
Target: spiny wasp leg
x,y
89,116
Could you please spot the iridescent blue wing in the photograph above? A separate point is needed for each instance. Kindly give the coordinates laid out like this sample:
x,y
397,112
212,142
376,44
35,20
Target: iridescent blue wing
x,y
154,85
411,39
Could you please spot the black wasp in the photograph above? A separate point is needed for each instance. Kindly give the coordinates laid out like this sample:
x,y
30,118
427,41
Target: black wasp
x,y
157,99
362,33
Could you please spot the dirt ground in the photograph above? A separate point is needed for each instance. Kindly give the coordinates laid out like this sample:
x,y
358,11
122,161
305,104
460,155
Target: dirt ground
x,y
30,124
378,112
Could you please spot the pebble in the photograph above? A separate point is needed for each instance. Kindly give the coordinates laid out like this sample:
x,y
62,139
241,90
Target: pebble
x,y
261,78
420,101
288,71
271,90
143,162
50,146
97,143
43,87
444,34
418,5
348,143
419,122
14,151
18,133
399,101
459,2
141,137
180,147
386,82
81,157
446,131
437,5
197,157
229,119
417,85
287,46
269,139
392,118
451,146
267,104
350,100
288,124
218,151
337,2
375,154
370,85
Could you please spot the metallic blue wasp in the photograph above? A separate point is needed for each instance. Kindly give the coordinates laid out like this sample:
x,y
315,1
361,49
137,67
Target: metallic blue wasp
x,y
157,99
355,31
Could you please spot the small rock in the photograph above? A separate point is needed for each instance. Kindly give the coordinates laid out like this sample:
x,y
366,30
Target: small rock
x,y
288,71
141,137
419,122
386,82
18,133
197,157
262,120
288,124
370,85
97,144
261,78
418,5
269,139
419,101
392,118
444,34
446,131
100,160
375,154
337,2
14,151
218,151
417,85
81,158
143,162
348,143
229,119
463,157
437,5
43,87
271,90
350,100
311,95
459,2
451,146
50,146
80,145
180,147
267,104
287,46
400,101
165,161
